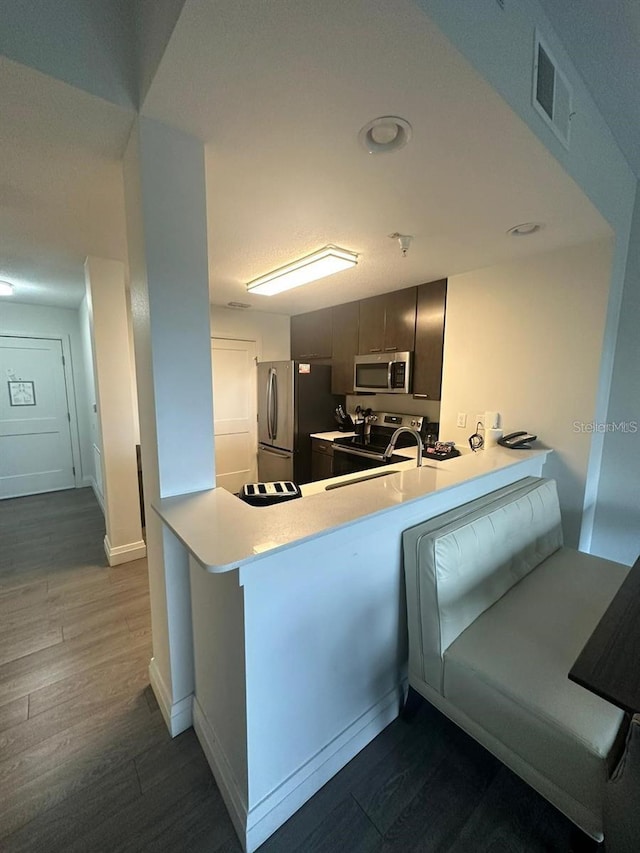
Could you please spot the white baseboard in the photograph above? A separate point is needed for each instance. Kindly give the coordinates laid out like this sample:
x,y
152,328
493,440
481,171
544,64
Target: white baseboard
x,y
255,825
178,716
233,798
124,553
96,491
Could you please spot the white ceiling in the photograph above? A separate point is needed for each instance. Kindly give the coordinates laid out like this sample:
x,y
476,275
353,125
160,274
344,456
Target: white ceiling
x,y
61,194
603,40
279,91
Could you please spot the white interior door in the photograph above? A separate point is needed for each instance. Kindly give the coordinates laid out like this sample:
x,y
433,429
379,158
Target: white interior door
x,y
234,412
35,438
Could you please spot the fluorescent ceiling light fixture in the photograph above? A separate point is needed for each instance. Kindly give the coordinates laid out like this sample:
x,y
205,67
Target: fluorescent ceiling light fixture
x,y
324,262
6,289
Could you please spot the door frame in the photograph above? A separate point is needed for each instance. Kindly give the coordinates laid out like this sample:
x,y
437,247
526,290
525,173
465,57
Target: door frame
x,y
69,385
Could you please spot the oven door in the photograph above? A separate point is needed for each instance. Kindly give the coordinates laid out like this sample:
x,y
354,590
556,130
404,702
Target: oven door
x,y
348,461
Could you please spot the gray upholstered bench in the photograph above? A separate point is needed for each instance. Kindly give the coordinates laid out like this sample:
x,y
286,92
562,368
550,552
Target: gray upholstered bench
x,y
498,611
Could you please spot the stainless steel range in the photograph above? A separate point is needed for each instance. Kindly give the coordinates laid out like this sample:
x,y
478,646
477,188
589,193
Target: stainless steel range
x,y
366,449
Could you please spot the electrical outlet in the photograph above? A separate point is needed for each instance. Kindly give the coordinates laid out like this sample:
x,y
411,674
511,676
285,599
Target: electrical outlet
x,y
462,420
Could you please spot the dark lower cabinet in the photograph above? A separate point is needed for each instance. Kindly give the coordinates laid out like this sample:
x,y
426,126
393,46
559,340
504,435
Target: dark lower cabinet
x,y
427,357
321,459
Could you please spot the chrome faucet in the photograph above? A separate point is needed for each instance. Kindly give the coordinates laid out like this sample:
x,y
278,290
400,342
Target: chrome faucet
x,y
392,444
364,419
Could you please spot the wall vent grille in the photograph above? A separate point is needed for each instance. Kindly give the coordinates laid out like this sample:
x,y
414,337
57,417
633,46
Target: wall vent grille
x,y
552,94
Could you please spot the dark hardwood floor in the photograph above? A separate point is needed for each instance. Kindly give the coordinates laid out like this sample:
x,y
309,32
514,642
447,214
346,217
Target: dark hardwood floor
x,y
86,763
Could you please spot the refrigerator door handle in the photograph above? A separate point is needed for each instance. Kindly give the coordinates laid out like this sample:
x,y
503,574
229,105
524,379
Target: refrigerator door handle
x,y
270,403
283,453
275,405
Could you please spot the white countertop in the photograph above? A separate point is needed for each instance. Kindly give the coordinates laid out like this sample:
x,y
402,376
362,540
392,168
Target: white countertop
x,y
331,436
410,454
223,532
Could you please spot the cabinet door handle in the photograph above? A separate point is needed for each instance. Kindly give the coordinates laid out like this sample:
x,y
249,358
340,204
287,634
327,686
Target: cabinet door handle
x,y
390,349
421,396
375,349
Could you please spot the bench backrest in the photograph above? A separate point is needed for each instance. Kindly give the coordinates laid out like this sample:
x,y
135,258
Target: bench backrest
x,y
460,563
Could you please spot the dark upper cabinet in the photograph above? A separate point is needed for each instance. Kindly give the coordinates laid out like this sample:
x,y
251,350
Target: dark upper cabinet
x,y
311,335
387,322
371,327
400,320
345,346
411,319
427,361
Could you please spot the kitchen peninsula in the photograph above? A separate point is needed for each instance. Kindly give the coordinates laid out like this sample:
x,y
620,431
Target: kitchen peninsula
x,y
298,623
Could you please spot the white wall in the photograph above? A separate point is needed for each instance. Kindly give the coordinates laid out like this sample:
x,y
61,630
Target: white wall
x,y
39,320
167,238
92,415
154,25
107,309
271,332
499,44
132,369
616,531
87,43
524,339
95,472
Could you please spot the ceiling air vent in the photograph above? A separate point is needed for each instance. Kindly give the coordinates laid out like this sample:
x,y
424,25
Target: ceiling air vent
x,y
551,92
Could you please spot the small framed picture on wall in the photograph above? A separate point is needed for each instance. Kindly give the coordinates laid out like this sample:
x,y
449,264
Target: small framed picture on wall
x,y
22,393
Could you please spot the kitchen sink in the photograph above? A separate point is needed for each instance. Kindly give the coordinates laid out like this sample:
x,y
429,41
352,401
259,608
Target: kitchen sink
x,y
361,479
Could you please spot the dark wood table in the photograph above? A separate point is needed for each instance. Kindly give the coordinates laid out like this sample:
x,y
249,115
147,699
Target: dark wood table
x,y
609,664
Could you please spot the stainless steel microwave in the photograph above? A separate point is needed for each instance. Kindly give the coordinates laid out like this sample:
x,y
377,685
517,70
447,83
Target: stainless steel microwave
x,y
383,373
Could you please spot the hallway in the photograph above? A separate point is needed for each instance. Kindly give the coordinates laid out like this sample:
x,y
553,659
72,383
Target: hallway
x,y
86,762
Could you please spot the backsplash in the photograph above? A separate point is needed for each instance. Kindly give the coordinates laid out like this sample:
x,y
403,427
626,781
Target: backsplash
x,y
401,403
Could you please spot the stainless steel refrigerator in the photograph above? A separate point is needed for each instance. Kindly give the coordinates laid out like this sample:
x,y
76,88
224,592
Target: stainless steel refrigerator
x,y
294,400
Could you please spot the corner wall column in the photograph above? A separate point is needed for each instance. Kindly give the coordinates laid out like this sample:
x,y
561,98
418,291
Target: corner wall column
x,y
165,193
107,306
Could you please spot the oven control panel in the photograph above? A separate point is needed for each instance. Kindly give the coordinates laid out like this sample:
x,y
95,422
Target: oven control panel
x,y
394,421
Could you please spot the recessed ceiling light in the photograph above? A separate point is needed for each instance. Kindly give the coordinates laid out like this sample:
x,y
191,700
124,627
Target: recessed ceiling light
x,y
385,134
525,229
6,289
